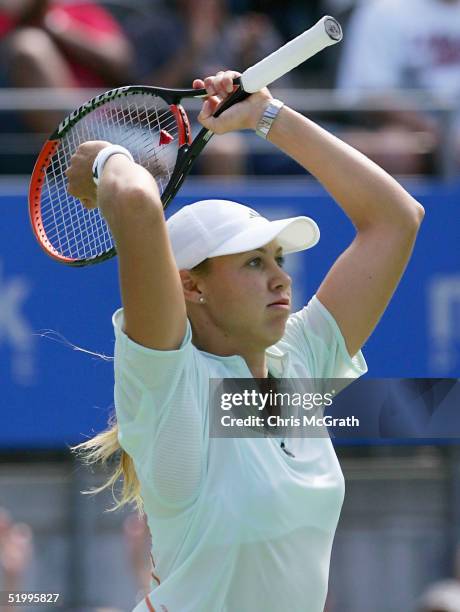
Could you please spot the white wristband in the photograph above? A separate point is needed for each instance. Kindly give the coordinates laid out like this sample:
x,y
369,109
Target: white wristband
x,y
270,113
103,156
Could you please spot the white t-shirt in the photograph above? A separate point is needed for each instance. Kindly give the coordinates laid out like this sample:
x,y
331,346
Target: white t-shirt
x,y
393,44
237,524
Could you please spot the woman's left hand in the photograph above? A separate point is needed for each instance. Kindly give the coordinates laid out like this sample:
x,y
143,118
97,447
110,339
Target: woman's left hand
x,y
79,173
242,116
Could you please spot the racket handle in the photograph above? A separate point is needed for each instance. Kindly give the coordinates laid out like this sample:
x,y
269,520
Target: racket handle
x,y
238,96
323,34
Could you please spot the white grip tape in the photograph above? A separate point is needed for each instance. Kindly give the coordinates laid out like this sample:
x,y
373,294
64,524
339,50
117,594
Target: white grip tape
x,y
323,34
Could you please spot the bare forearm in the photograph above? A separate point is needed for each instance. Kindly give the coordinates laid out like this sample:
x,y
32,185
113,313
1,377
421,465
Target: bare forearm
x,y
111,57
367,194
127,191
415,121
151,291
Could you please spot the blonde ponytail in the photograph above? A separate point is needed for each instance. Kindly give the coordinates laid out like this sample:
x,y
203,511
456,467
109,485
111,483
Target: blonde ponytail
x,y
105,448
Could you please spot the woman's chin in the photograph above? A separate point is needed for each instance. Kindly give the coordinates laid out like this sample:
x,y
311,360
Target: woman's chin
x,y
277,330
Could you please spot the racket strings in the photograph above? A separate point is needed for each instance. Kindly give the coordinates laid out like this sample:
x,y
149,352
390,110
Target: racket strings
x,y
135,121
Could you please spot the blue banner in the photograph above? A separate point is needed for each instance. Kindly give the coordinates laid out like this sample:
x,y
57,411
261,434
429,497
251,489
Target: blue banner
x,y
53,395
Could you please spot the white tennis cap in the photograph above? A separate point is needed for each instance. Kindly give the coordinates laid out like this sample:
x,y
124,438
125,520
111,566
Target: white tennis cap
x,y
210,228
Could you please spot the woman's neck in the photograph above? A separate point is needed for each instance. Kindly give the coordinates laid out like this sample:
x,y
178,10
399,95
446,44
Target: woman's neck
x,y
217,342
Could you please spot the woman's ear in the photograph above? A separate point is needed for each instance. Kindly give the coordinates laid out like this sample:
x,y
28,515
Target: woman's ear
x,y
192,286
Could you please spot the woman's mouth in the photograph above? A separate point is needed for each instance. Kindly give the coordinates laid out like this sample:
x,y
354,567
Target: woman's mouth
x,y
282,303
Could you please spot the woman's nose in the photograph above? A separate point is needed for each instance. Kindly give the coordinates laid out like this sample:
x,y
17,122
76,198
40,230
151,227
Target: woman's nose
x,y
281,279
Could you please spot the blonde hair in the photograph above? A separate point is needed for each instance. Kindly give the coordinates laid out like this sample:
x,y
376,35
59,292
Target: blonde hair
x,y
105,448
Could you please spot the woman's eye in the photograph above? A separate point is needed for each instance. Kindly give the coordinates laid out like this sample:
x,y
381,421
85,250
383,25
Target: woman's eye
x,y
257,262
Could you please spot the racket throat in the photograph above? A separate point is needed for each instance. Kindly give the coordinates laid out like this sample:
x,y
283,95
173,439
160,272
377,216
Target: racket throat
x,y
183,124
185,158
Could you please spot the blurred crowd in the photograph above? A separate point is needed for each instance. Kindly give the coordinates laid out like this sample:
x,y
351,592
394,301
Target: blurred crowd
x,y
17,552
389,47
17,549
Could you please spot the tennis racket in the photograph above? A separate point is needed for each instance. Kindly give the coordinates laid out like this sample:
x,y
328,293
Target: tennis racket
x,y
152,124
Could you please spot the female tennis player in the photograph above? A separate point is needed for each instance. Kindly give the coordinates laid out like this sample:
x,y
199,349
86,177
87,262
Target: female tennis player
x,y
238,524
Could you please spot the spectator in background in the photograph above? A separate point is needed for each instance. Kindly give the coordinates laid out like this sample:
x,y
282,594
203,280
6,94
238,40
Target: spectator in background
x,y
291,20
53,43
15,555
442,596
189,37
393,45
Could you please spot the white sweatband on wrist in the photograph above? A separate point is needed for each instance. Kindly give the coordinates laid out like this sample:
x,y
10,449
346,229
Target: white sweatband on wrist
x,y
103,156
266,121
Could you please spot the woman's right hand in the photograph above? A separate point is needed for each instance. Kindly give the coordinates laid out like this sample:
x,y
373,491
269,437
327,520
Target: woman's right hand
x,y
242,116
80,173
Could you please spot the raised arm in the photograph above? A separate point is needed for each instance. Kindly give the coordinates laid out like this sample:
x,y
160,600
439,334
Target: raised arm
x,y
151,290
360,284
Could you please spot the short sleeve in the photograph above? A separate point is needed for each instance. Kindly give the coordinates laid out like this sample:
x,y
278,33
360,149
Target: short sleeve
x,y
151,368
313,334
160,407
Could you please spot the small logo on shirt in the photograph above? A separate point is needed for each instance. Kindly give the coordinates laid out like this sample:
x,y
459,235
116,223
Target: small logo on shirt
x,y
163,608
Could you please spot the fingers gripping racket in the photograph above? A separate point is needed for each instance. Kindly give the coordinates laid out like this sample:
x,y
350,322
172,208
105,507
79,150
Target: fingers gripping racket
x,y
151,123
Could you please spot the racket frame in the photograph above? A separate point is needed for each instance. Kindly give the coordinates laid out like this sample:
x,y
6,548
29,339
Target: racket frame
x,y
325,32
187,152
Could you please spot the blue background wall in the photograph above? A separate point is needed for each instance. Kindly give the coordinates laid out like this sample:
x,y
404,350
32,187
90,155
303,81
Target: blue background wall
x,y
52,395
